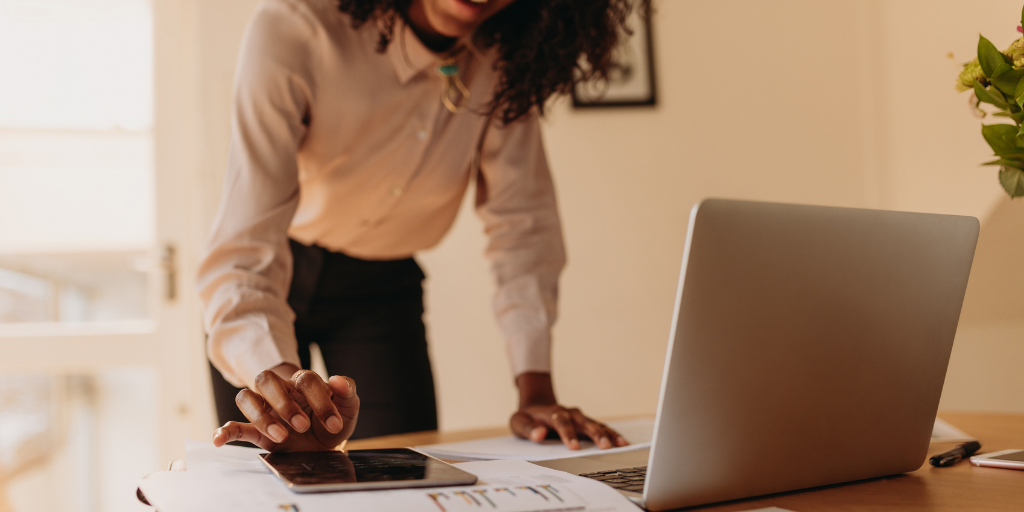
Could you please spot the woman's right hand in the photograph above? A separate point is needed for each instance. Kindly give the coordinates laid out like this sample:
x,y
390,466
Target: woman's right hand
x,y
300,413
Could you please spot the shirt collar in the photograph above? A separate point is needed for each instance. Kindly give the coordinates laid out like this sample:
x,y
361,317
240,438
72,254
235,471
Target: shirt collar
x,y
409,56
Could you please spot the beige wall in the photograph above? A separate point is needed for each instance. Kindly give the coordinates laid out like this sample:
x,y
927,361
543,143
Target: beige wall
x,y
929,151
837,103
738,116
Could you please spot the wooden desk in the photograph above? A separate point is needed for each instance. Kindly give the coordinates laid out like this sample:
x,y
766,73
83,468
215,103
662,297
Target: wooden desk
x,y
960,488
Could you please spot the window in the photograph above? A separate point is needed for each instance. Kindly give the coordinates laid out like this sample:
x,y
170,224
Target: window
x,y
76,171
77,239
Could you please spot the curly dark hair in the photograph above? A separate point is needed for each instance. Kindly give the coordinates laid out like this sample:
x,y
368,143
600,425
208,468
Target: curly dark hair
x,y
540,43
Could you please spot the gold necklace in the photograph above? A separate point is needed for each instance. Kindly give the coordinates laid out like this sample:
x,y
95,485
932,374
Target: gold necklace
x,y
448,70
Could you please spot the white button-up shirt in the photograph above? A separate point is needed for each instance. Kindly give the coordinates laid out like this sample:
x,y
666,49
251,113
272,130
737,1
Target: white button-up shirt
x,y
338,145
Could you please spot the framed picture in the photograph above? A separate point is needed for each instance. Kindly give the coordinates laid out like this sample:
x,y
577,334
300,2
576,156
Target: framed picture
x,y
631,78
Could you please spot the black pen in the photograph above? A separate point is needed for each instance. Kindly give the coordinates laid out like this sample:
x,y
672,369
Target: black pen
x,y
946,459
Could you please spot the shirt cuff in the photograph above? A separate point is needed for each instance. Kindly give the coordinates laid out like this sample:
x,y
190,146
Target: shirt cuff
x,y
530,352
524,319
243,348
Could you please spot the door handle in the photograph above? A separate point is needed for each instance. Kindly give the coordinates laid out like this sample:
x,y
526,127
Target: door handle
x,y
169,263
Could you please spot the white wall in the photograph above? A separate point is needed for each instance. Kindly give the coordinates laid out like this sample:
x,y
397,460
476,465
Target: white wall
x,y
836,103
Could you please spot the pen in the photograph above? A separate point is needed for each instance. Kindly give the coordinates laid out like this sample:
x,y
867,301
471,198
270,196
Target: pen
x,y
946,459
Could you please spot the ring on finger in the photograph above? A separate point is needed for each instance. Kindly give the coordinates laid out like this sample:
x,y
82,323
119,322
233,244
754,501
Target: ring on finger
x,y
261,402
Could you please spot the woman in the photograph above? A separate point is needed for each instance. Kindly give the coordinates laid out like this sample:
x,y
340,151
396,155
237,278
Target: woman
x,y
357,128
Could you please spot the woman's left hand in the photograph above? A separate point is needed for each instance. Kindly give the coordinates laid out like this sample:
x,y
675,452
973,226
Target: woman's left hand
x,y
539,412
533,421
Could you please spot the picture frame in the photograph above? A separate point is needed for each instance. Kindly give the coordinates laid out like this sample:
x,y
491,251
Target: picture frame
x,y
631,81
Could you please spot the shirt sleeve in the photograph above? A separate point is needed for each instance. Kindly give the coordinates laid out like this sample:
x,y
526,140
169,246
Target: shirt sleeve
x,y
244,277
516,201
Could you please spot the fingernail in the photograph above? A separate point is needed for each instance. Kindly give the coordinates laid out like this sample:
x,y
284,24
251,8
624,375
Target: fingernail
x,y
537,434
276,432
622,441
300,423
604,443
333,424
574,444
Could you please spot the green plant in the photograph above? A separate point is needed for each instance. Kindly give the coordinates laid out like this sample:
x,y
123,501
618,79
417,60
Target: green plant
x,y
997,79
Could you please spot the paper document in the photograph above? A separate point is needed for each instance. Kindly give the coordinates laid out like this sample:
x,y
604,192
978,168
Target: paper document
x,y
225,483
943,432
201,456
637,432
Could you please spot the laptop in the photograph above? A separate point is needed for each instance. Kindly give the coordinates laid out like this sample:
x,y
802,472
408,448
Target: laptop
x,y
808,347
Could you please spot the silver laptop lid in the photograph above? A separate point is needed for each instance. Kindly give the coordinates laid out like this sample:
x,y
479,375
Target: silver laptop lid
x,y
808,347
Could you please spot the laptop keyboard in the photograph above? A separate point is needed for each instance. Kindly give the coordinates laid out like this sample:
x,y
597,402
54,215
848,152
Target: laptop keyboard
x,y
628,479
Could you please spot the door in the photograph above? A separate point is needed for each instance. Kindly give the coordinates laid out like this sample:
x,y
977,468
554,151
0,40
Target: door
x,y
101,361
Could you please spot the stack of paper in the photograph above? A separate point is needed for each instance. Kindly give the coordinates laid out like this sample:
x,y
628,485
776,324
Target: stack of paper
x,y
943,432
234,479
638,432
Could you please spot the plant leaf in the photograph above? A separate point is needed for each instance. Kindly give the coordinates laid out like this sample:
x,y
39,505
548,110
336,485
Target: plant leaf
x,y
1018,95
989,57
987,97
1007,162
1002,138
1012,181
995,92
1014,153
1009,80
1018,117
1000,69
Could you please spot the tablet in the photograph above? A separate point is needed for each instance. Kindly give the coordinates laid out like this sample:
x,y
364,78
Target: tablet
x,y
362,470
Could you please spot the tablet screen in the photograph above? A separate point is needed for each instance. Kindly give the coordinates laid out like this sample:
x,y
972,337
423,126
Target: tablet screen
x,y
362,469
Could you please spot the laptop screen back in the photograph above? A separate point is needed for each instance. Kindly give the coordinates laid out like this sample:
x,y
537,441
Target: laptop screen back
x,y
809,347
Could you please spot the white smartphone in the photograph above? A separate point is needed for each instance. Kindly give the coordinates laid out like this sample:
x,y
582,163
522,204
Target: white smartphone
x,y
1006,459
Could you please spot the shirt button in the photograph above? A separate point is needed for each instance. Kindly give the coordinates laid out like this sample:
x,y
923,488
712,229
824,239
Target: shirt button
x,y
396,190
421,134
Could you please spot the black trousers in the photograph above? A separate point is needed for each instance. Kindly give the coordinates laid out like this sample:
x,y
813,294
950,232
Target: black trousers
x,y
367,319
